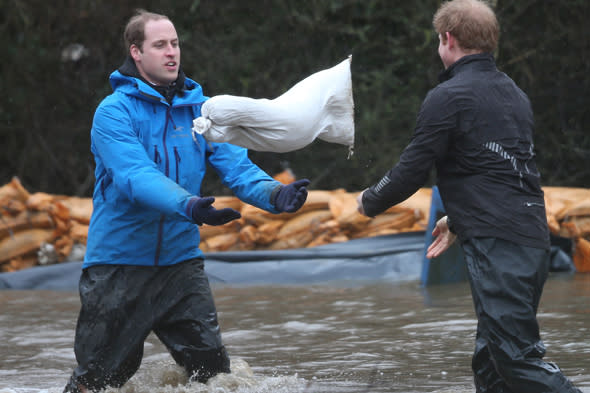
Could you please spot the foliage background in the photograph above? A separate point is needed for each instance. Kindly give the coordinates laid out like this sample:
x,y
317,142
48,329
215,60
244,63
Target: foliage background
x,y
260,49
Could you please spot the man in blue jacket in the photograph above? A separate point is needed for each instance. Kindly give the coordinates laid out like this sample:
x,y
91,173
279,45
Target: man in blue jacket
x,y
143,270
476,128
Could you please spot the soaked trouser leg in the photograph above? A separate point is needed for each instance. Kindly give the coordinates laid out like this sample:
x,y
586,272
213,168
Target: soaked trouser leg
x,y
190,329
111,327
507,281
121,305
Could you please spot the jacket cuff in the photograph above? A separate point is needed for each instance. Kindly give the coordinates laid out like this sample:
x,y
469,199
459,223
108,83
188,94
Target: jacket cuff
x,y
274,193
451,226
189,207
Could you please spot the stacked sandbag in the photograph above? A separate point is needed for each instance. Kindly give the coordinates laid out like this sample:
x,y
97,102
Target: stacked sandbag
x,y
41,228
326,217
31,222
568,215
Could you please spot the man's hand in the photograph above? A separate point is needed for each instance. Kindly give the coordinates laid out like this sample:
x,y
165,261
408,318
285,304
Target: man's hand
x,y
443,239
291,197
203,213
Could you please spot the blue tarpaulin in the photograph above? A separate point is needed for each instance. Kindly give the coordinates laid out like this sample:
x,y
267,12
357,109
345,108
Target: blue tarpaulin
x,y
391,258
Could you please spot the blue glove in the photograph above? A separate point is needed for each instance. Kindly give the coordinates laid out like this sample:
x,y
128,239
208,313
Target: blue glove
x,y
203,213
291,197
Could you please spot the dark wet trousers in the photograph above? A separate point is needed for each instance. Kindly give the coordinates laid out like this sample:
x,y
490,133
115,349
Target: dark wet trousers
x,y
507,281
121,305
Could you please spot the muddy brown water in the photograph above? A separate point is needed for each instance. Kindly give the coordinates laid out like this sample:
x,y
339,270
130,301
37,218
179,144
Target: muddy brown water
x,y
368,337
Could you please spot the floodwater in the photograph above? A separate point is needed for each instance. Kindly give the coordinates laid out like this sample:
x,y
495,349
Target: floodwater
x,y
353,338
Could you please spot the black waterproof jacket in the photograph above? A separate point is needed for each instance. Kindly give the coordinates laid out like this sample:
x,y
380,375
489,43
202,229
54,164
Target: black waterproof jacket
x,y
476,128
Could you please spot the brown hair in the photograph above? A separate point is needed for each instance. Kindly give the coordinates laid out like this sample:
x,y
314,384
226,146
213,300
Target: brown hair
x,y
135,30
472,22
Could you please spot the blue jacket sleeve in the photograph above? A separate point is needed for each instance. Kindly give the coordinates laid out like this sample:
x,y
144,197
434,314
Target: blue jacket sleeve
x,y
248,181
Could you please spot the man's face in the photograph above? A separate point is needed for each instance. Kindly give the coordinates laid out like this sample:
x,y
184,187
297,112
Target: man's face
x,y
158,60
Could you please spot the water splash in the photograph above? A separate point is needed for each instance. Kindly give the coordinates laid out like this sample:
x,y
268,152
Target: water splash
x,y
169,378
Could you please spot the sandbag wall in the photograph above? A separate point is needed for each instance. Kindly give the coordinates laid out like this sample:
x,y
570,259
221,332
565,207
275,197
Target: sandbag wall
x,y
568,215
40,228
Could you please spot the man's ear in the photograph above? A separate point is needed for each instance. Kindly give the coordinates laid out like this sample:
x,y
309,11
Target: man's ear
x,y
135,52
451,42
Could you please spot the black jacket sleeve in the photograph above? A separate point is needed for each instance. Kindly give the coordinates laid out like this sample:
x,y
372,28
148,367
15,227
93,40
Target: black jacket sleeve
x,y
429,143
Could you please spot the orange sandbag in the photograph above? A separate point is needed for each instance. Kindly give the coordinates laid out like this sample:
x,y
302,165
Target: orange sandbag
x,y
268,231
41,201
388,223
582,255
79,233
553,224
223,242
575,227
307,222
420,200
25,220
576,209
208,231
63,247
295,240
248,236
343,207
13,190
23,242
80,209
21,262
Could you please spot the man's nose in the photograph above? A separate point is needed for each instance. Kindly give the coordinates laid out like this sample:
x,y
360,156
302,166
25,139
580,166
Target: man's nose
x,y
170,49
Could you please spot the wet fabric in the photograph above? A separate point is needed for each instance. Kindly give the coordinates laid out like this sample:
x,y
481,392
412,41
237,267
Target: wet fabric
x,y
121,305
507,281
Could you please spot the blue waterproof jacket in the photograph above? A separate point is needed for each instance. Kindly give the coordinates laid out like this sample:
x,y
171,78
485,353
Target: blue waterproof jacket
x,y
148,166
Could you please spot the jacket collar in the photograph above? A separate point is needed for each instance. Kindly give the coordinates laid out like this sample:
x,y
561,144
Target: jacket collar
x,y
481,61
168,92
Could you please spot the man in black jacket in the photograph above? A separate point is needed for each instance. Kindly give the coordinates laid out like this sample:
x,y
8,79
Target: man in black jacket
x,y
476,128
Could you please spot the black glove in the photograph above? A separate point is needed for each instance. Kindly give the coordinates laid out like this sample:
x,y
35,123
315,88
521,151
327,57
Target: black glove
x,y
291,197
203,213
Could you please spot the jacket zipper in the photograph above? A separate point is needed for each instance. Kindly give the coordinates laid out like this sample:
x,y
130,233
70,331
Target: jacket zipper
x,y
177,162
167,173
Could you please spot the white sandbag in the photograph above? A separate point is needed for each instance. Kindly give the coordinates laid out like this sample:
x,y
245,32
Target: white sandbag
x,y
320,106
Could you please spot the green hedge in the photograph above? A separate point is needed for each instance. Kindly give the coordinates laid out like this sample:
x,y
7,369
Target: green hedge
x,y
260,49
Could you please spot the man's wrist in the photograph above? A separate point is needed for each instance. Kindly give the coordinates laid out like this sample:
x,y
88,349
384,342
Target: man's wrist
x,y
450,226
